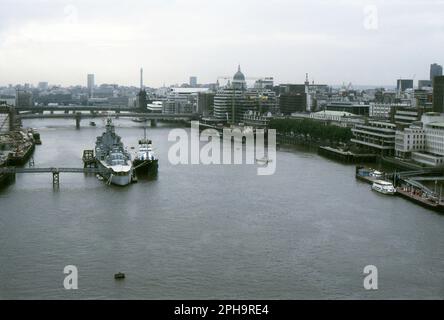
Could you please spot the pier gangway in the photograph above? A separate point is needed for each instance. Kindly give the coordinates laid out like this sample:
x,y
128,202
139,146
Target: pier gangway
x,y
54,170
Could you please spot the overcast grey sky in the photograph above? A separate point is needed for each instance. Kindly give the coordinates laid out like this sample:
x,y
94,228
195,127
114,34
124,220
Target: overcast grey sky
x,y
363,42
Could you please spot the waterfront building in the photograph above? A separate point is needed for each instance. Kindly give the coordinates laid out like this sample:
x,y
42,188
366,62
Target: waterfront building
x,y
433,151
376,136
438,94
231,104
90,85
411,139
435,71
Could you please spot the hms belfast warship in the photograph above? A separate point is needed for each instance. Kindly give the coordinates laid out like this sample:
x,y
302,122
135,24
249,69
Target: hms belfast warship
x,y
113,160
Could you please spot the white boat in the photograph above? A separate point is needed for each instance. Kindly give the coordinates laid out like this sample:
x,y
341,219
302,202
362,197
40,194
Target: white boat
x,y
376,174
263,160
383,187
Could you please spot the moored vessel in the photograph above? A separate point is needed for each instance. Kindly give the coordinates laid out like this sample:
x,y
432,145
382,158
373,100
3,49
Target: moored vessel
x,y
112,158
145,160
383,187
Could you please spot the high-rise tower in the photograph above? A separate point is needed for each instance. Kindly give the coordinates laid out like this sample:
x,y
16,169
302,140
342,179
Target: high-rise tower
x,y
435,71
141,79
90,85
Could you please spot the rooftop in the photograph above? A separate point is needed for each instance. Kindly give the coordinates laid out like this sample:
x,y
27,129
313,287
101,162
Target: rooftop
x,y
436,124
336,113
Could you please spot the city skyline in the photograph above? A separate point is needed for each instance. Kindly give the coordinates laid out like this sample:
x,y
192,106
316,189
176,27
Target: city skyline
x,y
250,82
349,41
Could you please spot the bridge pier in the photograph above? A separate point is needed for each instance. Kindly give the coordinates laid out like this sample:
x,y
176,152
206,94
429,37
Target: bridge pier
x,y
78,117
12,118
153,123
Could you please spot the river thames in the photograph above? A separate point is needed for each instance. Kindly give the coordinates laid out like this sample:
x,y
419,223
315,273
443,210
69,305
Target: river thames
x,y
210,231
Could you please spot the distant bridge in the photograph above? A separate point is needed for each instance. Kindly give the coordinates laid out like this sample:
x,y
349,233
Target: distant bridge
x,y
153,117
41,109
148,116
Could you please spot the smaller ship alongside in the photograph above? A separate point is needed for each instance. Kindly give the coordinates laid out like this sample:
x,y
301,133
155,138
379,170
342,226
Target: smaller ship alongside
x,y
21,147
383,187
35,136
145,160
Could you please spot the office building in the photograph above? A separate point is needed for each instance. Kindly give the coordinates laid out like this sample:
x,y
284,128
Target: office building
x,y
24,98
435,71
424,84
404,84
234,102
404,116
423,97
205,103
292,98
6,99
90,85
381,111
264,83
182,100
345,106
438,94
433,151
377,137
411,139
193,82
